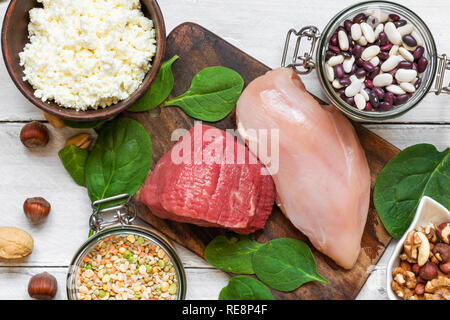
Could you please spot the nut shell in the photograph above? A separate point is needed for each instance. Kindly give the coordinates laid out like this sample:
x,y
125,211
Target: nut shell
x,y
15,243
82,140
36,209
56,122
34,135
42,286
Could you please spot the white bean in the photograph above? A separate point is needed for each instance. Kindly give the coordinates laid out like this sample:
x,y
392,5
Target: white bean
x,y
409,48
334,61
353,78
392,33
406,29
405,75
353,89
329,71
379,29
343,40
406,54
391,63
356,31
348,64
395,89
362,41
370,52
394,50
383,80
408,87
368,32
364,94
336,84
379,14
360,101
375,61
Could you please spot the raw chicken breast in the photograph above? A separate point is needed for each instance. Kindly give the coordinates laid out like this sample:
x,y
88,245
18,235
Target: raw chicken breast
x,y
322,177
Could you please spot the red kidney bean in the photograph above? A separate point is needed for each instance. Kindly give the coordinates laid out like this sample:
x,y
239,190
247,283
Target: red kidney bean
x,y
383,56
374,73
360,73
348,25
368,66
409,40
348,100
359,62
379,92
368,83
354,67
401,99
329,54
341,28
359,18
385,106
418,53
422,64
339,71
387,47
341,91
334,41
393,72
374,100
334,49
400,23
418,83
345,81
357,51
389,98
415,66
346,54
368,107
383,38
405,65
394,17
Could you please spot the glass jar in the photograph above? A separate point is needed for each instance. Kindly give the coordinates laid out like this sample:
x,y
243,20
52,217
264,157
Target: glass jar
x,y
116,221
434,74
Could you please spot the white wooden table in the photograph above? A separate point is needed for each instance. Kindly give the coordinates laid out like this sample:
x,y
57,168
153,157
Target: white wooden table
x,y
256,26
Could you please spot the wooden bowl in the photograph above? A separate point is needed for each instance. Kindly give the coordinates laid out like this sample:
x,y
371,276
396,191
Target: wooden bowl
x,y
15,36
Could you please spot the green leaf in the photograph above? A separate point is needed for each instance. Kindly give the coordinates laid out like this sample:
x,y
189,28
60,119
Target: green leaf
x,y
232,253
120,160
74,160
160,89
245,288
212,96
417,171
285,264
85,124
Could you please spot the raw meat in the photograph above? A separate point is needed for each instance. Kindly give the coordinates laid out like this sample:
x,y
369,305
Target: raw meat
x,y
322,176
211,187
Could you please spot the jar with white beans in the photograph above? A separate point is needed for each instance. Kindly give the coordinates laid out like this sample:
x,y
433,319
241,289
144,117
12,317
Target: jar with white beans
x,y
375,60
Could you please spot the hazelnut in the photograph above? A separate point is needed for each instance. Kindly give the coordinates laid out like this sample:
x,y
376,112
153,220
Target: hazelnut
x,y
415,269
420,289
442,252
36,209
445,267
82,140
42,286
34,134
429,271
443,231
58,123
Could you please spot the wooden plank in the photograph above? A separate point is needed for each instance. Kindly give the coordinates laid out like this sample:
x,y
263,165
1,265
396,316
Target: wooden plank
x,y
14,282
198,49
259,28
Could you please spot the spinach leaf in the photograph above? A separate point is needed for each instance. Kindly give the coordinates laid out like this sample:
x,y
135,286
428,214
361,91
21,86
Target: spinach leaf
x,y
160,89
417,171
120,160
232,253
245,288
96,124
74,160
285,264
213,94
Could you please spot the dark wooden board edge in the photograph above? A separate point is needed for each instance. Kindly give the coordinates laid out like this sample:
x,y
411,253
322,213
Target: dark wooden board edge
x,y
199,48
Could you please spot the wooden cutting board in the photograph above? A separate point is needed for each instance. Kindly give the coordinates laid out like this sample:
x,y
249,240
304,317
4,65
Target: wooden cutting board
x,y
198,48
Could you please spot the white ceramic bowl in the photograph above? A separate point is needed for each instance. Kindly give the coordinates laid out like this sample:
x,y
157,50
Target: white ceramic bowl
x,y
429,211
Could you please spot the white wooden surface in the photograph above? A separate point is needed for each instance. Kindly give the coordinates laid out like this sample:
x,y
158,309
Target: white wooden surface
x,y
256,26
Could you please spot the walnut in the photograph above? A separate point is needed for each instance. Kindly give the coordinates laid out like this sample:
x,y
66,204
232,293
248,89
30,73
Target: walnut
x,y
438,289
430,232
404,283
411,246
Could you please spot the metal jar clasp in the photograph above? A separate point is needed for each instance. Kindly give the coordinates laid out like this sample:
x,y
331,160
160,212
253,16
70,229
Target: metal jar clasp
x,y
443,65
301,64
124,213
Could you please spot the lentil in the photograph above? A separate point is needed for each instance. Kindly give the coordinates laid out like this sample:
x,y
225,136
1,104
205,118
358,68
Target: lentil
x,y
110,271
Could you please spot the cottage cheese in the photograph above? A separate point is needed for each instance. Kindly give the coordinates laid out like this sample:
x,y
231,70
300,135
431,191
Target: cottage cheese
x,y
87,53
